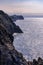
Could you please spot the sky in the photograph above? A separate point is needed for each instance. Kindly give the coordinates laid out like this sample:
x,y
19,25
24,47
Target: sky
x,y
22,6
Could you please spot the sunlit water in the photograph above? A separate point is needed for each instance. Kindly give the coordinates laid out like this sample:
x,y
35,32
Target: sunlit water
x,y
30,43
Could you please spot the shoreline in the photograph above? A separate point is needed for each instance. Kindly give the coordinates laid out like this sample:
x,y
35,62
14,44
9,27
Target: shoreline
x,y
9,55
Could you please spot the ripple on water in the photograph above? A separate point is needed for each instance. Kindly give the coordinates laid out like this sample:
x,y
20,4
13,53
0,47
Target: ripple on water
x,y
30,43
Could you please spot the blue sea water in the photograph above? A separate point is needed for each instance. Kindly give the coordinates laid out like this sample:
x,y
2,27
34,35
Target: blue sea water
x,y
30,43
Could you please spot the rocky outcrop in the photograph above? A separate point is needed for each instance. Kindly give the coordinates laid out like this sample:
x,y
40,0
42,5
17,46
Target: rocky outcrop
x,y
8,54
36,62
17,17
8,23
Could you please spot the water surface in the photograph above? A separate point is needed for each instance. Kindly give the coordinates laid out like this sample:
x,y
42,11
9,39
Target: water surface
x,y
30,43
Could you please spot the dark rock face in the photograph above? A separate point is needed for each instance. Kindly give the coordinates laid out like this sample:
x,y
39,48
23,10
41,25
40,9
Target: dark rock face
x,y
8,54
8,23
17,17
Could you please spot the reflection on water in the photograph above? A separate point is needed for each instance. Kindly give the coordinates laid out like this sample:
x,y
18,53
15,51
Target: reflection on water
x,y
30,43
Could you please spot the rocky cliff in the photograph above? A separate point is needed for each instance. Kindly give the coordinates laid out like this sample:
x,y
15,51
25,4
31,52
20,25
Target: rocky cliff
x,y
8,54
8,23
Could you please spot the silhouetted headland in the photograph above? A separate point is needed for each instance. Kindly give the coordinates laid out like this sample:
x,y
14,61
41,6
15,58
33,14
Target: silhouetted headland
x,y
17,17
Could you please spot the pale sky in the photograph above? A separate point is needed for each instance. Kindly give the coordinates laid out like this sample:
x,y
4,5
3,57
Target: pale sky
x,y
22,6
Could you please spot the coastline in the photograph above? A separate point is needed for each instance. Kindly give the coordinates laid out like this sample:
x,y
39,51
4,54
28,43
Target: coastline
x,y
9,55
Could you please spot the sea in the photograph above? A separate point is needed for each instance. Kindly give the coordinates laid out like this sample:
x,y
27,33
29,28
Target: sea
x,y
30,42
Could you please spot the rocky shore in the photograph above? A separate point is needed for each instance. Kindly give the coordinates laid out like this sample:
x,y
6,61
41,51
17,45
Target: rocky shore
x,y
8,54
